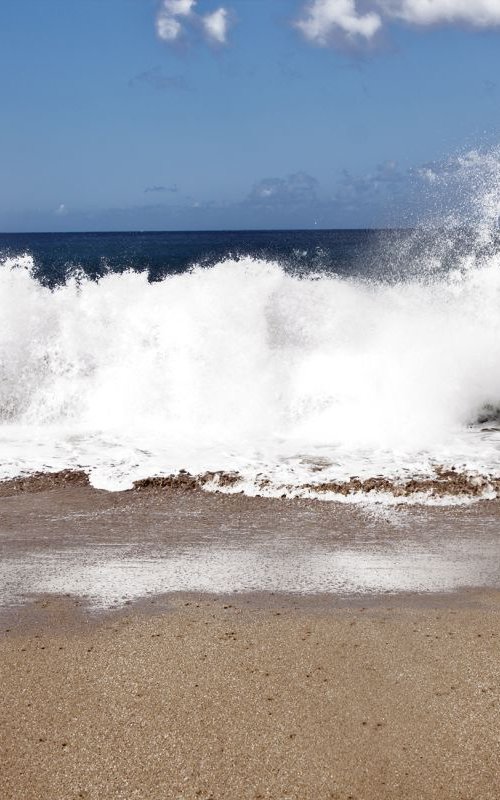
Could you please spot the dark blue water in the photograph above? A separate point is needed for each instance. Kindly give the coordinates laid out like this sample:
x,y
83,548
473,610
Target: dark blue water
x,y
374,254
351,252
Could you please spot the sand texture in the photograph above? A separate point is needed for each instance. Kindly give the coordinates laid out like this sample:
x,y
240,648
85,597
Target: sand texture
x,y
162,644
229,700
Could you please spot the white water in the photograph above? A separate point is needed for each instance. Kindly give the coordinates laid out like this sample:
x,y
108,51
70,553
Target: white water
x,y
245,367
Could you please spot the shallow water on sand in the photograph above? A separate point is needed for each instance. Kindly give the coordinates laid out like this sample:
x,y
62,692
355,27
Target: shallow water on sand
x,y
111,549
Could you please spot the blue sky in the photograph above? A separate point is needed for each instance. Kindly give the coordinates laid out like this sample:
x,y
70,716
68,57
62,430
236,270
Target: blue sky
x,y
137,114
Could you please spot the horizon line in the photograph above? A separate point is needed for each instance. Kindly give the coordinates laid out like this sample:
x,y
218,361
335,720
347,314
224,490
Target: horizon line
x,y
203,230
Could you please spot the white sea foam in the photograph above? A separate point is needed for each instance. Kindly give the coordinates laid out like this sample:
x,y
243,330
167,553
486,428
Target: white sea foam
x,y
245,367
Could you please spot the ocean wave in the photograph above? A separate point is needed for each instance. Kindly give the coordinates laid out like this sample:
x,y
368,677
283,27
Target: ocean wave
x,y
244,367
296,383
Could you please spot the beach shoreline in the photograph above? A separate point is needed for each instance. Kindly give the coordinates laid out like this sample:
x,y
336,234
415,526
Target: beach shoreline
x,y
116,548
440,486
114,687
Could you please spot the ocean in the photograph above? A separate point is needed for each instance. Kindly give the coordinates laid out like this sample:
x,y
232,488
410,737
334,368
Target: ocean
x,y
332,364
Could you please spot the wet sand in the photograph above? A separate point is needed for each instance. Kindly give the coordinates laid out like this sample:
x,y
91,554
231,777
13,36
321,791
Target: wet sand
x,y
112,548
303,683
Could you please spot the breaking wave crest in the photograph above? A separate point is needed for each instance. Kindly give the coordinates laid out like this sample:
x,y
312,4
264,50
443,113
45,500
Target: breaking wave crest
x,y
289,381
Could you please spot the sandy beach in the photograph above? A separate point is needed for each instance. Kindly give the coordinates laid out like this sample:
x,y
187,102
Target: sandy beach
x,y
217,698
256,690
250,400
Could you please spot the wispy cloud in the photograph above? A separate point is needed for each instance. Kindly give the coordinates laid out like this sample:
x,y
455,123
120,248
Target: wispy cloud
x,y
298,189
156,79
177,19
480,13
449,192
322,22
174,189
382,185
388,194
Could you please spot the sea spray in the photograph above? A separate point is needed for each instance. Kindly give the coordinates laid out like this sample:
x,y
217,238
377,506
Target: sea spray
x,y
288,380
245,367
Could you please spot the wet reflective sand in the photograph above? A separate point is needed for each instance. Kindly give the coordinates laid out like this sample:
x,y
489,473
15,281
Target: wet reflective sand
x,y
330,687
114,548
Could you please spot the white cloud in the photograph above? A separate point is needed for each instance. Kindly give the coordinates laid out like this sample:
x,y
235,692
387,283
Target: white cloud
x,y
61,210
324,18
481,13
175,16
216,26
179,8
168,28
